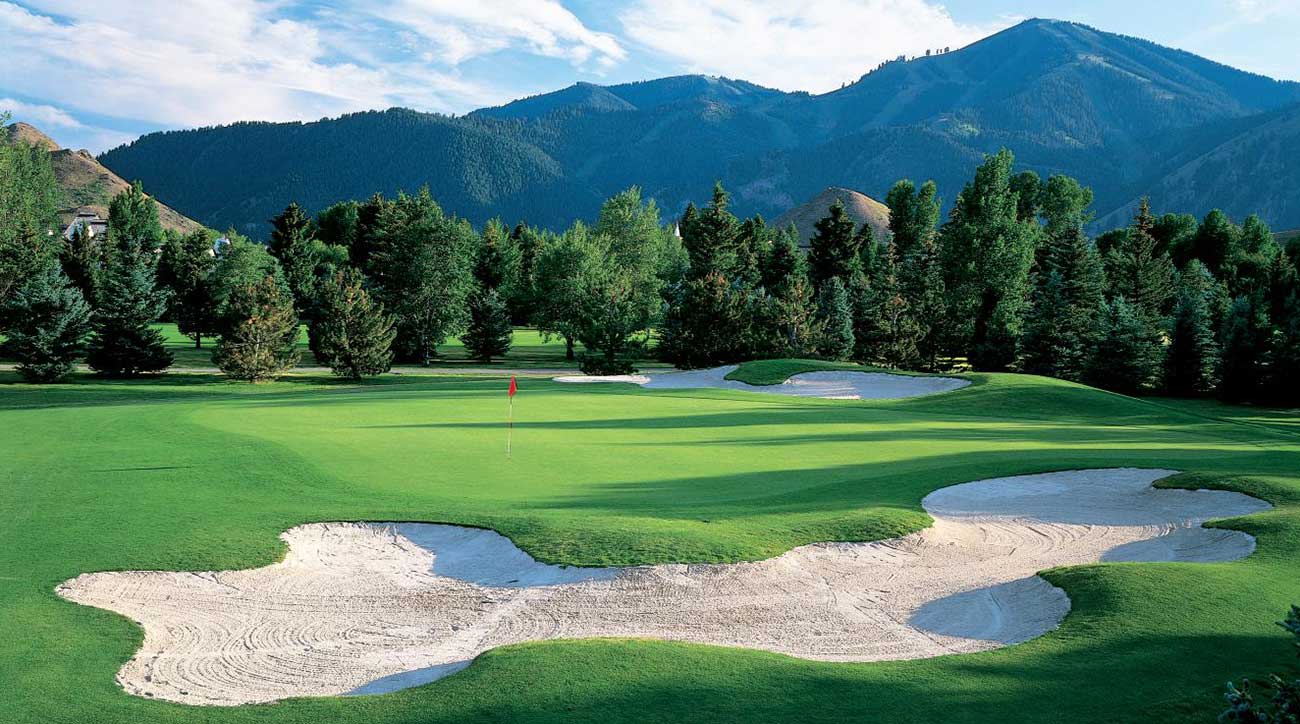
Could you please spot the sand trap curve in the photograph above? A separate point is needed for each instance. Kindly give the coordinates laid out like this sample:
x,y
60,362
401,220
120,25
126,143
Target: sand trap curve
x,y
368,608
832,385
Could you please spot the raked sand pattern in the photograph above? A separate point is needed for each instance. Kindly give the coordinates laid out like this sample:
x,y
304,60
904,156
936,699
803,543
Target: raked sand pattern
x,y
832,385
367,608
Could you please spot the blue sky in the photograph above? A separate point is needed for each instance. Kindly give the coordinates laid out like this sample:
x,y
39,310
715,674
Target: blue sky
x,y
99,73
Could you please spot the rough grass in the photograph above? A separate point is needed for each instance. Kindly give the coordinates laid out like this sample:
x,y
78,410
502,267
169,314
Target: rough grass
x,y
195,473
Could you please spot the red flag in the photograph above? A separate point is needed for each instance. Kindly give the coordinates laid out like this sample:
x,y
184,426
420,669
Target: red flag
x,y
513,387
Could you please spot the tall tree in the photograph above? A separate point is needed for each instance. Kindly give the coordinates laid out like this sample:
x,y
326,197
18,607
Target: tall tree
x,y
1215,241
1284,356
489,333
125,343
913,215
184,266
782,264
422,273
836,320
561,270
527,243
752,242
496,261
351,333
48,322
1247,270
987,252
337,225
1192,359
833,249
707,324
82,258
1244,341
292,233
239,264
710,236
888,334
1127,354
788,325
260,341
133,224
28,211
1139,272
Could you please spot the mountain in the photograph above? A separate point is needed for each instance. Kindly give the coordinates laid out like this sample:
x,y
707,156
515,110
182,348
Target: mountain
x,y
84,183
860,207
1066,98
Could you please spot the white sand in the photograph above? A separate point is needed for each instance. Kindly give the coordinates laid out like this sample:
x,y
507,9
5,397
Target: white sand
x,y
367,608
830,385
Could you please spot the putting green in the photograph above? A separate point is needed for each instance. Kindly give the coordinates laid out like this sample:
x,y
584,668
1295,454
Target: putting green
x,y
200,474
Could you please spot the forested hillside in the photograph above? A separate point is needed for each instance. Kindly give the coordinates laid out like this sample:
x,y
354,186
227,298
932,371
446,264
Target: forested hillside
x,y
1110,109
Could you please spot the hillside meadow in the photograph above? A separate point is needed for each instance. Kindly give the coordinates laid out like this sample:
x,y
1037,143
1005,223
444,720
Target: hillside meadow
x,y
189,472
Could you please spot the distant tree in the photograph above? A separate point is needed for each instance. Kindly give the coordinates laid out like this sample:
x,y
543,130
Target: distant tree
x,y
560,272
615,308
496,261
889,332
125,343
787,325
913,215
707,324
184,266
47,324
338,225
292,233
836,320
422,273
1047,346
366,240
260,339
1126,356
1192,359
1247,270
527,244
489,333
1215,241
1140,273
237,265
833,249
1244,341
133,225
709,236
752,242
351,333
987,252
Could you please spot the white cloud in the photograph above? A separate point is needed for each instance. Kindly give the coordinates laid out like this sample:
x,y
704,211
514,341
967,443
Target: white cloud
x,y
812,45
201,62
59,124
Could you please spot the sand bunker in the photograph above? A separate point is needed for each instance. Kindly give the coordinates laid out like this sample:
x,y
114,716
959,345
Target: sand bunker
x,y
829,385
367,608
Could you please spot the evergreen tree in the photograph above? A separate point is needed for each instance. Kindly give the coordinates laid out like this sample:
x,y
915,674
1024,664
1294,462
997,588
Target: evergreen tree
x,y
913,216
987,253
292,233
260,339
1140,273
496,263
125,344
710,236
788,325
1028,189
367,237
1244,341
422,273
82,258
833,249
707,324
920,278
1046,347
133,225
239,264
351,334
48,322
1215,241
1246,272
338,225
783,264
836,320
183,270
752,241
1284,357
1065,214
1192,358
527,244
889,332
489,333
1127,354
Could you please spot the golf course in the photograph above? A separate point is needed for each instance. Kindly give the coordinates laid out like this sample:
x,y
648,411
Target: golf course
x,y
191,472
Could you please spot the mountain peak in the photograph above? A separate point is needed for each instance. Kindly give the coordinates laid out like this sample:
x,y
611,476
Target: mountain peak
x,y
20,132
860,207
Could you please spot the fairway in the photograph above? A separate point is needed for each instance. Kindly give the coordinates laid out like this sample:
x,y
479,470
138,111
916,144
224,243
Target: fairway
x,y
200,474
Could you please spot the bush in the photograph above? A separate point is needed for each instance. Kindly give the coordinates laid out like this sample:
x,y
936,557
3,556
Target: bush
x,y
260,340
351,334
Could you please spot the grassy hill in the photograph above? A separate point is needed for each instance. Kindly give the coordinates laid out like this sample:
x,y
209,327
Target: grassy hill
x,y
860,207
1067,98
85,183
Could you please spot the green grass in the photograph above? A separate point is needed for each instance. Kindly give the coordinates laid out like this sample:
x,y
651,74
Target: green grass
x,y
194,473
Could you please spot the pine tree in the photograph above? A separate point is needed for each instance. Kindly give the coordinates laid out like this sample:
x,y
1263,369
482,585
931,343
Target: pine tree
x,y
1284,357
1046,344
921,286
48,322
496,263
707,324
1127,354
29,203
1215,241
82,258
1192,358
752,241
888,332
125,344
710,236
1139,272
260,341
783,264
1244,341
351,334
836,320
489,333
833,249
292,233
788,325
183,270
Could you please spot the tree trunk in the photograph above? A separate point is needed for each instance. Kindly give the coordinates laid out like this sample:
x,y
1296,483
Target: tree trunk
x,y
568,349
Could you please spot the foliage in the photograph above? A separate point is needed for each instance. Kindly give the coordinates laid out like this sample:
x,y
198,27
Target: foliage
x,y
1138,271
1126,357
124,343
1191,364
28,206
836,320
833,249
1283,708
184,268
489,332
48,323
351,333
292,234
259,340
133,226
1243,343
708,324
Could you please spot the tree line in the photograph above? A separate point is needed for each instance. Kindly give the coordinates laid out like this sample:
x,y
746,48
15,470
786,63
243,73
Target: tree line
x,y
1009,280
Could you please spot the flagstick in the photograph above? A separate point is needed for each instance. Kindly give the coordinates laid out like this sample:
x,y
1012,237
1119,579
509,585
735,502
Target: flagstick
x,y
510,425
